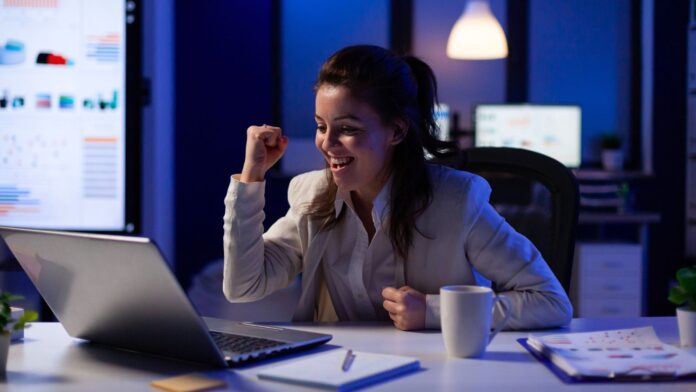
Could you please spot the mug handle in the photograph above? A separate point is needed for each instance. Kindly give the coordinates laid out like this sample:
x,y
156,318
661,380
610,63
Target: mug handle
x,y
505,305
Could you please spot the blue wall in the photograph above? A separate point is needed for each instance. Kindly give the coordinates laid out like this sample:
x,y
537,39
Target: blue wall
x,y
461,83
580,52
158,218
311,31
223,85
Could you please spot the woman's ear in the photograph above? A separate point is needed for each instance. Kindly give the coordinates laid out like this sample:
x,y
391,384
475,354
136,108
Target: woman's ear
x,y
400,130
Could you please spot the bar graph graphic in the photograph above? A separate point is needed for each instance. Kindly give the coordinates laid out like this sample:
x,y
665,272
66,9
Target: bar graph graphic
x,y
17,200
100,170
28,164
104,48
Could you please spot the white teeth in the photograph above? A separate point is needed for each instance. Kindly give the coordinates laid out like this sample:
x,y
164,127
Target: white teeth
x,y
340,161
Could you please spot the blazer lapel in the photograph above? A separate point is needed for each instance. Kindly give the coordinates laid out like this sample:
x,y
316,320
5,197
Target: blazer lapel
x,y
315,251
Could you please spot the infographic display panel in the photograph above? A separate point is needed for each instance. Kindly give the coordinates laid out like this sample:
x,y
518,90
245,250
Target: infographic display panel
x,y
62,114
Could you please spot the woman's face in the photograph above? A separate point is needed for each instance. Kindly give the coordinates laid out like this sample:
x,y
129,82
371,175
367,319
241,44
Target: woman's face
x,y
354,141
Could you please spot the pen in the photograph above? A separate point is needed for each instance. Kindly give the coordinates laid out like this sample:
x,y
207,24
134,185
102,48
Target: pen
x,y
348,360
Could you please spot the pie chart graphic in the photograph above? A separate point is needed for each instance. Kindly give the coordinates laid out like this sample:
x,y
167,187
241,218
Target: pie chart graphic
x,y
12,52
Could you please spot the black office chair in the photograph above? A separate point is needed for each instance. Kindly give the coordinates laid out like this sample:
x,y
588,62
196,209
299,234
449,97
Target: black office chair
x,y
536,194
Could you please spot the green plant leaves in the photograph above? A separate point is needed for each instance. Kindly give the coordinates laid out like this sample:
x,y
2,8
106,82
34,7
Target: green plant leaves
x,y
7,323
685,291
27,317
677,295
687,279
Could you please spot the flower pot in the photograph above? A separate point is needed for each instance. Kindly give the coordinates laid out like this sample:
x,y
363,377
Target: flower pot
x,y
4,351
686,320
612,160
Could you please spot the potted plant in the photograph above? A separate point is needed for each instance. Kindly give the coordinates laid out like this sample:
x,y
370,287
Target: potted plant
x,y
612,156
684,295
9,325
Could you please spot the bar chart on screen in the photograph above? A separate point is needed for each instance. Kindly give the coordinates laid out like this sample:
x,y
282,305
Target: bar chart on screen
x,y
33,167
63,94
17,200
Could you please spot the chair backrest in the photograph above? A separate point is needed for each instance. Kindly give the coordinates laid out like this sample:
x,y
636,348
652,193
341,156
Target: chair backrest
x,y
504,168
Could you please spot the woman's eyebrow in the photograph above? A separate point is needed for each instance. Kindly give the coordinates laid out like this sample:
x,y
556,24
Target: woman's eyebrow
x,y
343,117
347,117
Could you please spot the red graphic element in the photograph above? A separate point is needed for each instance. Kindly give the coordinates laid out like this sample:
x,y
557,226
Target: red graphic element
x,y
52,59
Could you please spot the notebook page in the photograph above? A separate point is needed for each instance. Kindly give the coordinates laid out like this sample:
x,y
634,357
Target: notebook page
x,y
324,370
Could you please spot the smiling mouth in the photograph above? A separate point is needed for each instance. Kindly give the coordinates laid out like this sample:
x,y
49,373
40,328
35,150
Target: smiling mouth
x,y
340,163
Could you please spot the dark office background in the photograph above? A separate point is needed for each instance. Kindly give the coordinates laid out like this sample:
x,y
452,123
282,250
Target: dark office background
x,y
217,66
237,63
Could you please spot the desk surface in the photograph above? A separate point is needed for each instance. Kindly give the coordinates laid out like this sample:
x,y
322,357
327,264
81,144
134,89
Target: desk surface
x,y
49,359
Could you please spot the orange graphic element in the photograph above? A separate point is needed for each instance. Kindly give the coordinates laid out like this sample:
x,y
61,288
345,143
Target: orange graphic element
x,y
111,38
5,209
101,139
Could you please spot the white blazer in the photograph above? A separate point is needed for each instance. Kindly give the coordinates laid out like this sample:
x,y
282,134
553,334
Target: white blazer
x,y
467,242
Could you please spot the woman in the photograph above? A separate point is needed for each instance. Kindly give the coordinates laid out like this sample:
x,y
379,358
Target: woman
x,y
378,232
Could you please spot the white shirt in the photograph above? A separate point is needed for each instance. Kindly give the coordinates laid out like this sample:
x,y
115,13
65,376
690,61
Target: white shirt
x,y
358,270
465,241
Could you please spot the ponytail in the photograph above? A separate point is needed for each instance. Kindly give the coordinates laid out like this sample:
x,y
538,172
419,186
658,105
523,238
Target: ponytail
x,y
426,101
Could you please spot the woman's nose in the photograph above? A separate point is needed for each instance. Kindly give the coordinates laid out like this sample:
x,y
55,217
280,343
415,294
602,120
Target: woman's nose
x,y
330,139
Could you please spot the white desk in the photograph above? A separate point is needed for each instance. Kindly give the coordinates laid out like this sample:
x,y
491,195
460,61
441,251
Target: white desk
x,y
49,360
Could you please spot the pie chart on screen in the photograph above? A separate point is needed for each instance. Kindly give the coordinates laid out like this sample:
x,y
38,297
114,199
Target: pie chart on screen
x,y
12,53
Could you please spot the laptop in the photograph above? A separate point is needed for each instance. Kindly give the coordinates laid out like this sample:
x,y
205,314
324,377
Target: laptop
x,y
118,291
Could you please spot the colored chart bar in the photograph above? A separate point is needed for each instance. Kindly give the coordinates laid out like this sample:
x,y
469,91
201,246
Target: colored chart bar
x,y
31,3
104,48
100,172
15,200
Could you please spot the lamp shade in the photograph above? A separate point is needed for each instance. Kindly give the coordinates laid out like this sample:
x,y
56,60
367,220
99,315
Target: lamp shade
x,y
477,35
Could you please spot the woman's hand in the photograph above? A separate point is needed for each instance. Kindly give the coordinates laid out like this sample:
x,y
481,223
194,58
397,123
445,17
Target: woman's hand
x,y
406,307
264,147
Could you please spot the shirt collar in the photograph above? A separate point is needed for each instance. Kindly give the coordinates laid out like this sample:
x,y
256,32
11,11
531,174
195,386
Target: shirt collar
x,y
380,206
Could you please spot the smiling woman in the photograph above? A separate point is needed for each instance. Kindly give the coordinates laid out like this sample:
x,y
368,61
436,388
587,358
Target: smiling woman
x,y
379,231
359,159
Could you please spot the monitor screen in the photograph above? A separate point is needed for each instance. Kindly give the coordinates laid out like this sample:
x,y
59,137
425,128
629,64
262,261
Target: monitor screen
x,y
552,130
63,114
442,119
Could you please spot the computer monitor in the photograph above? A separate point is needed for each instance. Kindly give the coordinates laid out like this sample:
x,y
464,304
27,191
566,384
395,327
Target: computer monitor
x,y
70,114
552,130
442,119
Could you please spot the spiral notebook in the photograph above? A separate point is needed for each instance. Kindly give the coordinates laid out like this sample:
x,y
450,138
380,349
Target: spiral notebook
x,y
623,355
325,370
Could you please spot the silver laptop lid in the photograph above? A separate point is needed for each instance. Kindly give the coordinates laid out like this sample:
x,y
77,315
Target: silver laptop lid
x,y
113,290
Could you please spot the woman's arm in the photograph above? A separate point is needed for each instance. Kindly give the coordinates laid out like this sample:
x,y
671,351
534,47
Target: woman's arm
x,y
257,264
506,257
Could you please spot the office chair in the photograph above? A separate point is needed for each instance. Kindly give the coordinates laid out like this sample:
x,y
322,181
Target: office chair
x,y
535,193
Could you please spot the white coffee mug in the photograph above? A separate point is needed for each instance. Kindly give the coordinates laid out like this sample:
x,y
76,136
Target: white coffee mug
x,y
466,313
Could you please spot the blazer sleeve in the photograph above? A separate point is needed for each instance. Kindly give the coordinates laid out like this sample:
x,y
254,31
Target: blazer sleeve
x,y
257,264
506,257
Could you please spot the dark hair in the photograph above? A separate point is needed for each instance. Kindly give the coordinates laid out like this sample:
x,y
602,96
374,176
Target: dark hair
x,y
396,88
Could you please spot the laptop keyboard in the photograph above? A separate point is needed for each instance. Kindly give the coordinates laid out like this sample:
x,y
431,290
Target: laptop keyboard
x,y
238,344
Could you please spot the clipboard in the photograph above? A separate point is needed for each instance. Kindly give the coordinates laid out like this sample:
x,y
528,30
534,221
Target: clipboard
x,y
545,359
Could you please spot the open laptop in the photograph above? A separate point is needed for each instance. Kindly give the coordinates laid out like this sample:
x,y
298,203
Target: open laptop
x,y
118,291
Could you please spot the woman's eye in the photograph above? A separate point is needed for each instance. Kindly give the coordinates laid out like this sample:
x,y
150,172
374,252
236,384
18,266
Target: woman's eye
x,y
321,128
349,130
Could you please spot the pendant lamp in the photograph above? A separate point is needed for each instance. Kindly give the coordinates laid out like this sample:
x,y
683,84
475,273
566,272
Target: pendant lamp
x,y
477,35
